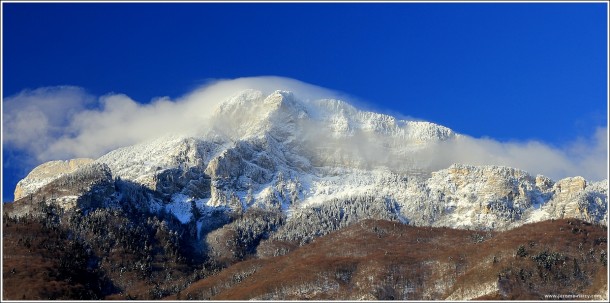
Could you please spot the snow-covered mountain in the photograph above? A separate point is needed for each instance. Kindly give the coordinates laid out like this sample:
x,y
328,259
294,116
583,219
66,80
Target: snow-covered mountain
x,y
325,157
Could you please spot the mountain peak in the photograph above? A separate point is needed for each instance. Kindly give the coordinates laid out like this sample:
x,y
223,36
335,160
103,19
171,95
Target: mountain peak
x,y
284,115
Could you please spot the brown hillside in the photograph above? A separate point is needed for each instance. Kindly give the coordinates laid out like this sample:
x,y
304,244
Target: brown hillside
x,y
99,256
41,263
388,260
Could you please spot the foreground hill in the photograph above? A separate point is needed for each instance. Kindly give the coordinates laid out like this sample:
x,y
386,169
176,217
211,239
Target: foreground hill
x,y
372,259
103,254
391,261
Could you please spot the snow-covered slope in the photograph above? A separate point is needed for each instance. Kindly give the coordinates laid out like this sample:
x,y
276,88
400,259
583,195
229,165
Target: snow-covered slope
x,y
280,153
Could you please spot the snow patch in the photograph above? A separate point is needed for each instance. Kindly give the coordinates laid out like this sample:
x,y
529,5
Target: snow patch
x,y
181,207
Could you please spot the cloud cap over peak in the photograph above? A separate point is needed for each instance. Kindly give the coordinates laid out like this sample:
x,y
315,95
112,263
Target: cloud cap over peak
x,y
65,122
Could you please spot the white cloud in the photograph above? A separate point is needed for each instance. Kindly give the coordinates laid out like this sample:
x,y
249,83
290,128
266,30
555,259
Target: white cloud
x,y
586,157
66,122
33,119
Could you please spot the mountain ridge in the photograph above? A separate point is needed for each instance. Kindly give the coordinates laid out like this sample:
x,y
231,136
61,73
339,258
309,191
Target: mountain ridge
x,y
265,145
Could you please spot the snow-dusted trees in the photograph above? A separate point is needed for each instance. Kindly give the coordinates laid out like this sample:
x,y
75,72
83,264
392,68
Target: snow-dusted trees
x,y
309,223
240,238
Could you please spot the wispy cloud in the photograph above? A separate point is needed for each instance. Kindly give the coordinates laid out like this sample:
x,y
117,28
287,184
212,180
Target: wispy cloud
x,y
63,122
66,122
33,120
585,157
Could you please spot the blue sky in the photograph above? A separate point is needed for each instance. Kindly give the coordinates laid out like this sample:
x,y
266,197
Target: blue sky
x,y
514,72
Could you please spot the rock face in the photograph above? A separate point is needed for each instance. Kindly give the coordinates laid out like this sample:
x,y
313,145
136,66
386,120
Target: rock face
x,y
575,198
485,196
45,173
502,197
89,186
